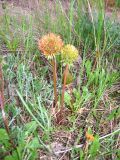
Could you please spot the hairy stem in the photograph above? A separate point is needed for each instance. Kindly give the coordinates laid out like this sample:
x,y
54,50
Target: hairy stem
x,y
55,80
64,84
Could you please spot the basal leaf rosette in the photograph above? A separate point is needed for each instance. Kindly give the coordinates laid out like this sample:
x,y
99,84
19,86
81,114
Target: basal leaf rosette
x,y
69,54
50,45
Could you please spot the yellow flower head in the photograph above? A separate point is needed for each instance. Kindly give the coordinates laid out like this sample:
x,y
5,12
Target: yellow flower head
x,y
69,54
50,44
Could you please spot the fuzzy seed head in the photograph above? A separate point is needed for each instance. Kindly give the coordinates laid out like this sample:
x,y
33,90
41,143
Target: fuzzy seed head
x,y
50,44
69,54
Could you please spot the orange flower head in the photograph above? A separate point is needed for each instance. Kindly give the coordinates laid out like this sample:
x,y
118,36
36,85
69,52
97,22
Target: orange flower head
x,y
50,44
89,137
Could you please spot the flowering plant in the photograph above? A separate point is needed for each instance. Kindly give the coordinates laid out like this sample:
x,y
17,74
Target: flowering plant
x,y
50,45
69,54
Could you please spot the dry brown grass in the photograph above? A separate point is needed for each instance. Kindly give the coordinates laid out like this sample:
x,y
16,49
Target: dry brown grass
x,y
110,3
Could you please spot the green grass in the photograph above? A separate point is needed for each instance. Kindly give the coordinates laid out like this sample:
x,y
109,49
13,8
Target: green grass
x,y
117,3
93,104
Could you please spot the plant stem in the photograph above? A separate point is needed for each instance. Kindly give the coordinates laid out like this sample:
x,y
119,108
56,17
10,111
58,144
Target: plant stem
x,y
55,80
64,84
5,120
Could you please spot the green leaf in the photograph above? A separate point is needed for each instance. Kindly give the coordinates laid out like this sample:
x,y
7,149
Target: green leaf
x,y
14,156
9,158
30,127
81,155
29,110
114,114
67,98
34,144
3,135
94,148
88,67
